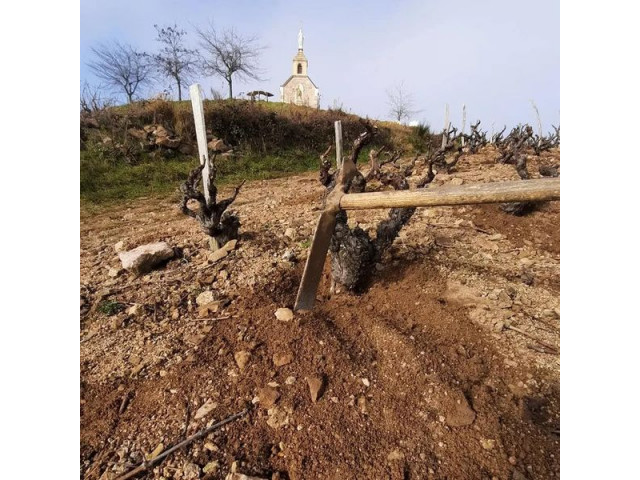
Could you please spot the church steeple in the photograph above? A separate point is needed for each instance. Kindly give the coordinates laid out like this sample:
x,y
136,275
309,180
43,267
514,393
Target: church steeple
x,y
300,62
299,89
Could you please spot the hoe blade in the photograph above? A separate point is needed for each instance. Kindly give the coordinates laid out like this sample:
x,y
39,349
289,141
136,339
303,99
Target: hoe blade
x,y
315,262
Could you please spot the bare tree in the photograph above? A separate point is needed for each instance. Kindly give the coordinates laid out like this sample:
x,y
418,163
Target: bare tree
x,y
92,99
401,103
174,60
230,54
122,67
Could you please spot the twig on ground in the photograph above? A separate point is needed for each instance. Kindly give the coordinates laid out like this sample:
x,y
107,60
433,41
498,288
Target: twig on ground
x,y
144,466
223,317
124,403
528,335
542,349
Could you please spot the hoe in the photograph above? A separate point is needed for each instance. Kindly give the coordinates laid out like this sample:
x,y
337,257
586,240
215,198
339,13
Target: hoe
x,y
338,199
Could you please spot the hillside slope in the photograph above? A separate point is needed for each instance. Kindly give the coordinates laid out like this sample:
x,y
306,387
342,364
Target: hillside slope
x,y
148,147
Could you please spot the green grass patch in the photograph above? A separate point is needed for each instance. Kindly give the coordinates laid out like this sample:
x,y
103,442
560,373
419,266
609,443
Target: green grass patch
x,y
109,307
106,180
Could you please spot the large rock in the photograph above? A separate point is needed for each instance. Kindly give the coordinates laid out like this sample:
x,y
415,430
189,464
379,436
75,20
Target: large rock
x,y
169,142
146,257
138,133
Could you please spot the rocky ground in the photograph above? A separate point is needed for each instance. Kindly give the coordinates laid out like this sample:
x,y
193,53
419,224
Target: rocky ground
x,y
446,366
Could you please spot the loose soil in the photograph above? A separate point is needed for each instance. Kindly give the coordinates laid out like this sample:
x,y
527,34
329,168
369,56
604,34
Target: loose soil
x,y
422,375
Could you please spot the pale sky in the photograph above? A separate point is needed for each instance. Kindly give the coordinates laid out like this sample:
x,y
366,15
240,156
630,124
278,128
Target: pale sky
x,y
493,55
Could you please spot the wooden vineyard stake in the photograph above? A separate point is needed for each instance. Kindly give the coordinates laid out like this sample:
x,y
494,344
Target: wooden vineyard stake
x,y
195,92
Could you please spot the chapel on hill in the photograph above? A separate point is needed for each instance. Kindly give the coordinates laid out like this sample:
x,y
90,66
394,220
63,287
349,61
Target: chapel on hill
x,y
299,88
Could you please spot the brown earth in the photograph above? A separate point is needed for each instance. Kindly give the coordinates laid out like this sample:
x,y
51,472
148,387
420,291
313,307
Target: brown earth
x,y
422,375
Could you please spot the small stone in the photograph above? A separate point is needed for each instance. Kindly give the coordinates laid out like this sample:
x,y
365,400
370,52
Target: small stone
x,y
362,404
204,298
289,256
211,447
241,476
513,460
217,255
211,467
395,455
504,300
315,387
290,380
494,237
334,399
116,322
268,397
230,245
487,444
284,314
135,310
118,247
366,382
277,417
456,181
281,359
163,373
462,414
190,471
223,275
208,309
379,267
527,262
205,409
498,326
290,232
557,311
114,272
242,357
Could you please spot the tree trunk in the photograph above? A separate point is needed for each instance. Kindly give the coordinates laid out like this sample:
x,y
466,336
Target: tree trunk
x,y
230,82
179,89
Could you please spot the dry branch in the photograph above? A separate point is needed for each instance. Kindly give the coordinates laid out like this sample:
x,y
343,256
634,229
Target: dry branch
x,y
146,465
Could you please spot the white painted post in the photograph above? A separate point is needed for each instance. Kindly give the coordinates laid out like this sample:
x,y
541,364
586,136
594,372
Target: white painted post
x,y
464,121
338,127
446,124
493,133
195,92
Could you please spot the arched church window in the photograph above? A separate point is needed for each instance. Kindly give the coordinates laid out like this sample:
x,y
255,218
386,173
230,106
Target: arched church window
x,y
299,69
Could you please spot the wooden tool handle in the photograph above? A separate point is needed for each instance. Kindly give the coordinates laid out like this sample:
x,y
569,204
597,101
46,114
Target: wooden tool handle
x,y
497,192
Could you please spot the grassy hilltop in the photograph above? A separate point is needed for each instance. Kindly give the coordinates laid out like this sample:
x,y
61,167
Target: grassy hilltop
x,y
118,161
